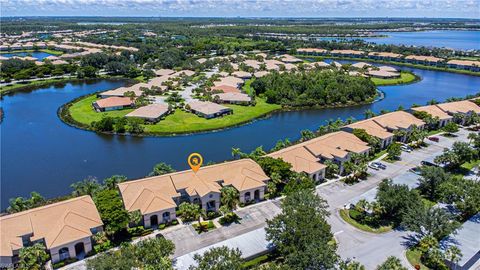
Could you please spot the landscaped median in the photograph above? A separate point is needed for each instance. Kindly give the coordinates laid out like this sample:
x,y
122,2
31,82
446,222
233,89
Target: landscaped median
x,y
81,113
346,216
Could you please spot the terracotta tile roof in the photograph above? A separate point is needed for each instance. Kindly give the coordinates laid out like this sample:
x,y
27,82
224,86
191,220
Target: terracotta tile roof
x,y
234,97
154,194
149,195
398,119
290,59
58,224
300,159
361,65
252,63
347,52
149,111
226,89
114,102
313,50
372,128
230,80
385,54
382,73
260,74
336,144
464,63
434,111
242,74
163,72
463,106
424,58
207,107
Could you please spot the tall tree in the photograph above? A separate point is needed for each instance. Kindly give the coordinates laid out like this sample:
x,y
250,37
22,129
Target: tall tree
x,y
426,221
301,233
392,263
229,197
111,209
430,181
161,169
219,258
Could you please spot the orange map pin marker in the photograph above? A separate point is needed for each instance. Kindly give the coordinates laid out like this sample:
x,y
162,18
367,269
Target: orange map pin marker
x,y
195,161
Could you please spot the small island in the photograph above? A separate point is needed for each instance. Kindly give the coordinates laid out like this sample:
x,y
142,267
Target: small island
x,y
225,92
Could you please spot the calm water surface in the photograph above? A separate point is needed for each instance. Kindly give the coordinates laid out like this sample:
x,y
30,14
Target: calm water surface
x,y
460,40
39,55
40,153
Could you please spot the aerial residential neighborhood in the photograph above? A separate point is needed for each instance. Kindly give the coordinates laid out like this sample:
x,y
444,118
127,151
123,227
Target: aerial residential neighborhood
x,y
232,135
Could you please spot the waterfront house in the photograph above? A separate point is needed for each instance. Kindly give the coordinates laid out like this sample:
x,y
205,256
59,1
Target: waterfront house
x,y
233,98
424,60
464,107
208,109
311,51
399,121
64,228
151,112
347,53
360,65
464,64
302,161
385,56
372,128
113,103
382,74
287,58
435,112
337,147
158,197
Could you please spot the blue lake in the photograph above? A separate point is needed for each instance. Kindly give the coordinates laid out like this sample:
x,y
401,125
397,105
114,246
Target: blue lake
x,y
459,40
41,153
39,55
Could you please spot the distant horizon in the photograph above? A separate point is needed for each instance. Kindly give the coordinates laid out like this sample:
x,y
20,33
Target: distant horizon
x,y
233,17
461,9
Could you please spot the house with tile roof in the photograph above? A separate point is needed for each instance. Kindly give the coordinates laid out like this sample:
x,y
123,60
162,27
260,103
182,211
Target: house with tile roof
x,y
302,161
157,197
65,228
372,129
399,121
463,107
435,112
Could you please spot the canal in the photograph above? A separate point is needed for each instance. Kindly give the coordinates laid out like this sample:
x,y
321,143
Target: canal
x,y
41,153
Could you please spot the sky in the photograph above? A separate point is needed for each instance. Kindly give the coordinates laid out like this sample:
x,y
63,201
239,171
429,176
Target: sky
x,y
244,8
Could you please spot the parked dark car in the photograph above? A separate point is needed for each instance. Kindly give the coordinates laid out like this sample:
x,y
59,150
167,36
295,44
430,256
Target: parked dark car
x,y
435,139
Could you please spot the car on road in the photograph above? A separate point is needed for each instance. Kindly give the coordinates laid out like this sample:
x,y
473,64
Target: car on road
x,y
380,165
406,148
434,139
416,170
374,166
159,235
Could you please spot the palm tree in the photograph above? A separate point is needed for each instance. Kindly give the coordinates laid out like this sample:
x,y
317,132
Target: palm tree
x,y
236,152
454,254
88,186
229,197
369,114
33,257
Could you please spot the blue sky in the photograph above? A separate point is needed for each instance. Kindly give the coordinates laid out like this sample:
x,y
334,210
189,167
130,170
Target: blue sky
x,y
244,8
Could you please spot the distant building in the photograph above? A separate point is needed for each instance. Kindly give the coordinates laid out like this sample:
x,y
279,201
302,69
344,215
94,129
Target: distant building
x,y
372,128
233,98
151,112
113,103
208,109
421,59
464,64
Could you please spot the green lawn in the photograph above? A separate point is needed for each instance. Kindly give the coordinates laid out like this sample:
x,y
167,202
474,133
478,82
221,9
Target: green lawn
x,y
470,165
413,257
405,77
346,217
247,86
178,122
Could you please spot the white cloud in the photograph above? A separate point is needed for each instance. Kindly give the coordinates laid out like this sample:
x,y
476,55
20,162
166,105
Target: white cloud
x,y
220,8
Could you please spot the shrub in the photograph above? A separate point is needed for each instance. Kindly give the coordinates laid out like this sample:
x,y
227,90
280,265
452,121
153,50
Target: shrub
x,y
229,218
356,215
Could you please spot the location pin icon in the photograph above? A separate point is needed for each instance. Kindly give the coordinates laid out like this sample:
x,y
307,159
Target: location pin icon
x,y
195,161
